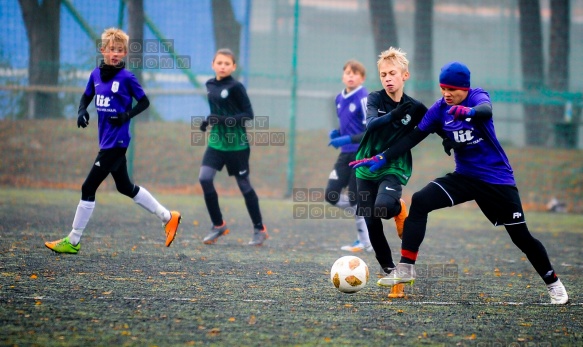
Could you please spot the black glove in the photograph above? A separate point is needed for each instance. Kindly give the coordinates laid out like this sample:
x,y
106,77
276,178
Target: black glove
x,y
119,118
213,119
204,125
401,110
83,119
449,144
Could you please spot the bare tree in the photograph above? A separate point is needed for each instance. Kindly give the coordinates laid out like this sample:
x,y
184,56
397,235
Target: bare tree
x,y
558,67
227,30
531,53
136,32
42,21
424,50
384,26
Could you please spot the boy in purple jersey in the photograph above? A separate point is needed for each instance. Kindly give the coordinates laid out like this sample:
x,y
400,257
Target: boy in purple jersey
x,y
482,173
351,111
113,88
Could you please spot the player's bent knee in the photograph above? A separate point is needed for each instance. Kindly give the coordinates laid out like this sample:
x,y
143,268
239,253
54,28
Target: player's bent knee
x,y
386,207
126,189
88,192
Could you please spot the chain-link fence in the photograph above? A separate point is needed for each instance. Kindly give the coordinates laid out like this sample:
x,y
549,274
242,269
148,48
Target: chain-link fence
x,y
290,57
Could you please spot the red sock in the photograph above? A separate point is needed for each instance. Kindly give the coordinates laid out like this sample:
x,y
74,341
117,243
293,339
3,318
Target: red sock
x,y
408,257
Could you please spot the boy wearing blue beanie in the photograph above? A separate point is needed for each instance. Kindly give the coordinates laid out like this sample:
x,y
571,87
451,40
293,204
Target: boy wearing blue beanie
x,y
482,173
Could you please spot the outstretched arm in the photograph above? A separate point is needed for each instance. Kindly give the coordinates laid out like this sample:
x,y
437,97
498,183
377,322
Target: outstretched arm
x,y
405,144
396,150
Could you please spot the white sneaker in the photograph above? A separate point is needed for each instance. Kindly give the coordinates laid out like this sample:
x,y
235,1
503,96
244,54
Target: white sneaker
x,y
403,273
357,246
385,271
558,293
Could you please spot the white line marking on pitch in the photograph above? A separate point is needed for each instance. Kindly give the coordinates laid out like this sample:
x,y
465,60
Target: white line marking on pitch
x,y
268,301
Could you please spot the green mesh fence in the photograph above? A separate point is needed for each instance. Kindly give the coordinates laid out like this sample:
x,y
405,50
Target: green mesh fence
x,y
290,59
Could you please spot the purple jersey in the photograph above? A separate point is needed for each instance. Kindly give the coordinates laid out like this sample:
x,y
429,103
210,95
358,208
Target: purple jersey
x,y
481,157
351,110
111,97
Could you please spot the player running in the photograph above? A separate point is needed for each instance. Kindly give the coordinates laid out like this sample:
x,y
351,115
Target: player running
x,y
114,88
351,112
228,146
483,173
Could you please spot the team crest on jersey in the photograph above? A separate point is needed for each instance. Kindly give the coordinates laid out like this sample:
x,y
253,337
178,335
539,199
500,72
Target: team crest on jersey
x,y
224,93
352,107
405,120
115,86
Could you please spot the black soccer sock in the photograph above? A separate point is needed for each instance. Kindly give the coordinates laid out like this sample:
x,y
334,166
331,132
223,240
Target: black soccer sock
x,y
534,251
379,241
252,203
211,200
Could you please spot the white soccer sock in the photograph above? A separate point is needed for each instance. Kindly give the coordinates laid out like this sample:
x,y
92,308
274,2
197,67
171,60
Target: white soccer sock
x,y
343,202
82,216
362,230
148,202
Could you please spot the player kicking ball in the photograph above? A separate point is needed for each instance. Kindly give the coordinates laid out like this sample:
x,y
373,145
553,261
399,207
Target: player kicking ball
x,y
483,174
114,88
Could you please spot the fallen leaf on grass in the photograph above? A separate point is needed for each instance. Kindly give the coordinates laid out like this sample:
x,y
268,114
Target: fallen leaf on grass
x,y
33,276
214,332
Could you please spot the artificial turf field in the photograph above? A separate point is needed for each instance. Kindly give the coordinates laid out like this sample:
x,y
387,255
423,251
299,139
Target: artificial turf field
x,y
474,288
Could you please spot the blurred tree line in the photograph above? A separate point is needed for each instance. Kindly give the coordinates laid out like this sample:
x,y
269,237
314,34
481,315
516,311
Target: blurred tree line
x,y
42,22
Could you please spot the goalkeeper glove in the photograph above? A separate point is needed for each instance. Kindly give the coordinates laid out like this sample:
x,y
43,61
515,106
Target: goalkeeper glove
x,y
373,163
119,119
83,119
340,141
459,112
334,134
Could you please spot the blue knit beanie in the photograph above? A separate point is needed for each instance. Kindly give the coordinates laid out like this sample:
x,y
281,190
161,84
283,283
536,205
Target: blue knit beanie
x,y
455,75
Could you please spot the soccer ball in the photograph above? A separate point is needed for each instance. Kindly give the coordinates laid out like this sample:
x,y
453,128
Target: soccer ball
x,y
349,274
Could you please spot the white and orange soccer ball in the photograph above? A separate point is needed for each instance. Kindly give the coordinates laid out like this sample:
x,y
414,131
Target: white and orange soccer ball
x,y
349,274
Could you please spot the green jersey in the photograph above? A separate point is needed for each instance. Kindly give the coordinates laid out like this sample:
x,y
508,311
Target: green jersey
x,y
228,100
376,140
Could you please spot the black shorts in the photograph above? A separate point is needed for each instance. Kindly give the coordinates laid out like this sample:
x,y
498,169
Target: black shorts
x,y
237,162
369,191
110,159
500,203
343,176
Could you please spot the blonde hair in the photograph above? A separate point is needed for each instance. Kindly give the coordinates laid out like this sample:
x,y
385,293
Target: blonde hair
x,y
394,56
355,66
115,35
